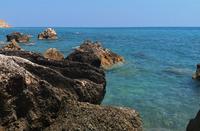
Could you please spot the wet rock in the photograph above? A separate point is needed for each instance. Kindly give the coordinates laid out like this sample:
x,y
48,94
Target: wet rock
x,y
54,54
18,37
93,53
42,97
197,74
194,124
12,46
49,33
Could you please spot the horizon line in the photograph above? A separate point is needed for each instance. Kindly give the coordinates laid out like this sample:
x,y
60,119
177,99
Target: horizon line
x,y
105,26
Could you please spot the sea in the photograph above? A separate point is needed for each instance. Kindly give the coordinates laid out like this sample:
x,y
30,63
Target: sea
x,y
156,78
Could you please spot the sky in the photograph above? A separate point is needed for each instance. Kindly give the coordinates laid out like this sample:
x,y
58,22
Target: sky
x,y
101,13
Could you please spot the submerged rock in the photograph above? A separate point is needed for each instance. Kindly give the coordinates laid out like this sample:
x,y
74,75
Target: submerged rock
x,y
93,53
18,37
12,46
41,94
49,33
197,74
54,54
194,124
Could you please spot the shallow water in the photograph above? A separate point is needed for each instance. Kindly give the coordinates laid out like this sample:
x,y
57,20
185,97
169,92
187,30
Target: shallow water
x,y
156,78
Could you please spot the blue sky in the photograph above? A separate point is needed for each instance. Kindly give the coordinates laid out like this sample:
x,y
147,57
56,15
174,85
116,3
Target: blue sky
x,y
101,13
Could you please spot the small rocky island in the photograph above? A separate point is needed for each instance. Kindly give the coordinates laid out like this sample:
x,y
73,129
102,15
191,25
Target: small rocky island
x,y
48,34
38,93
3,24
18,37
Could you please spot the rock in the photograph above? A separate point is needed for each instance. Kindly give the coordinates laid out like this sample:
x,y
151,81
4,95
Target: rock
x,y
18,37
93,89
49,33
93,53
3,24
87,117
42,96
197,74
54,54
12,46
194,124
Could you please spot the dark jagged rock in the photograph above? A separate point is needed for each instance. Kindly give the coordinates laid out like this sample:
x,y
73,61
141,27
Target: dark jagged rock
x,y
49,34
35,92
194,124
71,69
12,46
54,54
93,53
18,37
91,78
40,97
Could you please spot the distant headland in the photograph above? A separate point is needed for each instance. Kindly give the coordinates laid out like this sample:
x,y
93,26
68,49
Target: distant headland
x,y
3,24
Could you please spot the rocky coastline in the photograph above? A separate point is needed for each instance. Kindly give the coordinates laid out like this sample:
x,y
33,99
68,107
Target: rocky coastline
x,y
3,24
51,92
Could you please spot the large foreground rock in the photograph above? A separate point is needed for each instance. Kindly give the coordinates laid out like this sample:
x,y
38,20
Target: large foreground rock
x,y
194,124
93,53
44,96
49,34
91,80
54,54
18,37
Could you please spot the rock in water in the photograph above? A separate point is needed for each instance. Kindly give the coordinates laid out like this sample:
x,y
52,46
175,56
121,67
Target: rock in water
x,y
197,74
3,24
49,33
54,54
93,53
194,124
19,37
43,97
12,46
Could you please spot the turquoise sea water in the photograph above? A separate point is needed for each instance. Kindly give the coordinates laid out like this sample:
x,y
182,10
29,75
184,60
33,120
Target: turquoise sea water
x,y
156,78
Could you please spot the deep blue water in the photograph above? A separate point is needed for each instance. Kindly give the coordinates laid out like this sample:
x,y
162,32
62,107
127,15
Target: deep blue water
x,y
156,78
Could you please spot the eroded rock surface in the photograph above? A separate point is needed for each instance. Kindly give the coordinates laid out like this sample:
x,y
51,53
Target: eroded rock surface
x,y
93,53
87,117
